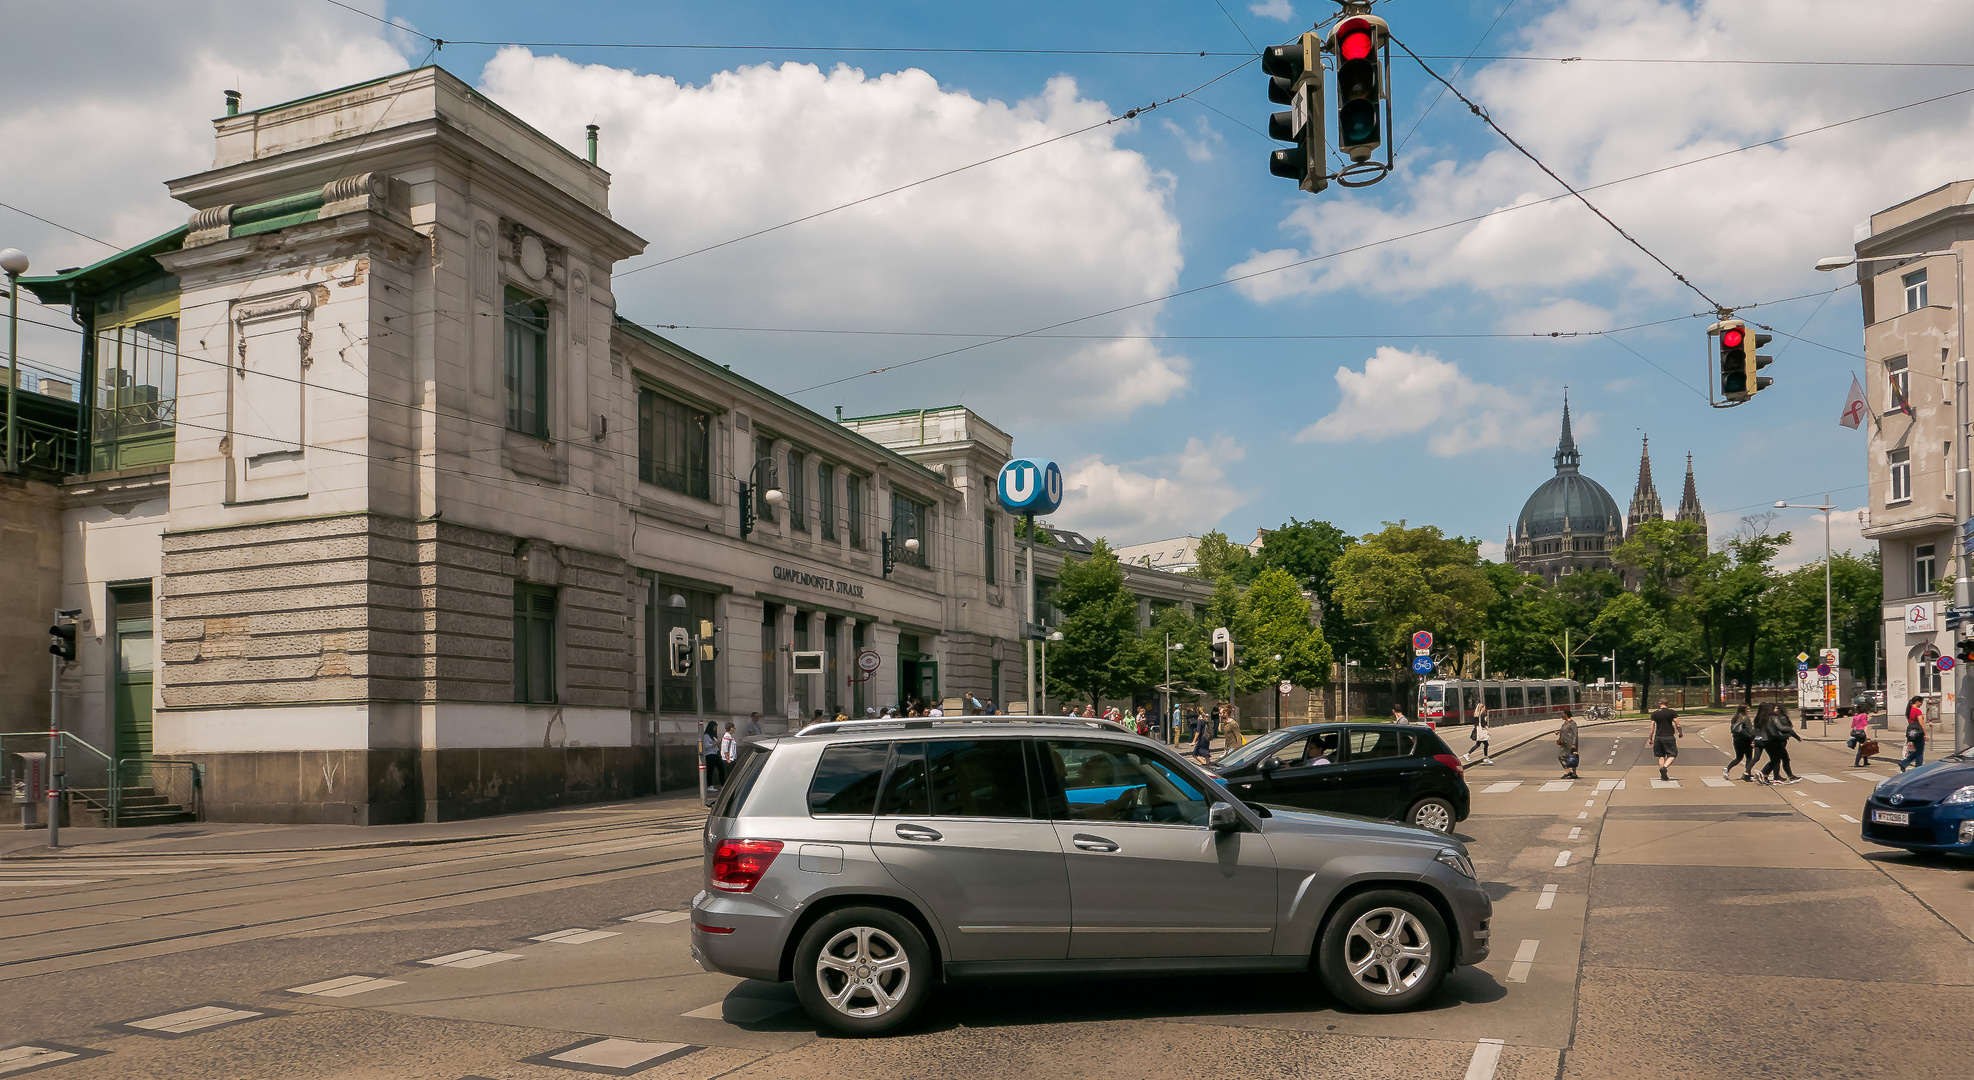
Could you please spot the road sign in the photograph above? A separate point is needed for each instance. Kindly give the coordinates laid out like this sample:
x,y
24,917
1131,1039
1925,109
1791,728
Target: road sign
x,y
868,661
1030,487
1945,663
1802,666
1422,665
1422,652
1285,684
1823,669
1422,640
1801,657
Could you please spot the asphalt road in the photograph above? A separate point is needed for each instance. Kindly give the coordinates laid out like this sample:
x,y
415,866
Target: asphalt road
x,y
1641,930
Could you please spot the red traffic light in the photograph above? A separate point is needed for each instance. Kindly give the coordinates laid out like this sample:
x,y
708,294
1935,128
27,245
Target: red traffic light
x,y
1354,40
1731,339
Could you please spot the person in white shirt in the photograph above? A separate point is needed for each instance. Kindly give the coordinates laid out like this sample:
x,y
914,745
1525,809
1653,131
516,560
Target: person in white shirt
x,y
935,711
729,747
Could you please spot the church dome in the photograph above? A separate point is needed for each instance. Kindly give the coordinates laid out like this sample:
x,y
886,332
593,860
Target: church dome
x,y
1568,501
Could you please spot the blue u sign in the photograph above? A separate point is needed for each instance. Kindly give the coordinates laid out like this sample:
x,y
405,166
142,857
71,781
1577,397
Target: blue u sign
x,y
1030,487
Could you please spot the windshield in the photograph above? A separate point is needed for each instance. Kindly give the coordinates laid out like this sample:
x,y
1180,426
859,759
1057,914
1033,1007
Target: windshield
x,y
1259,750
1435,693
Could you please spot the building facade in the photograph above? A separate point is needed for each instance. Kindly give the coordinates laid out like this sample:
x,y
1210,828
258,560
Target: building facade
x,y
1570,523
1911,328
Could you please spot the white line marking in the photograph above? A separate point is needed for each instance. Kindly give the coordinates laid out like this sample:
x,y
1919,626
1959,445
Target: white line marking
x,y
205,1016
347,986
1665,783
10,883
1563,858
1498,788
741,1010
20,1059
1716,781
618,1056
471,958
1610,785
1819,778
575,936
1487,1054
1871,776
1850,819
1590,802
1558,785
1576,832
659,917
1581,814
1524,959
1825,805
1548,898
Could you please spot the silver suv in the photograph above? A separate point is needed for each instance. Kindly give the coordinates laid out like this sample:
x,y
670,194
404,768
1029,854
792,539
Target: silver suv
x,y
865,859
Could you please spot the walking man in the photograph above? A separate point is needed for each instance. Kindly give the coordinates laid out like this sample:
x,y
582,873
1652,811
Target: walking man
x,y
1745,755
1566,746
1666,730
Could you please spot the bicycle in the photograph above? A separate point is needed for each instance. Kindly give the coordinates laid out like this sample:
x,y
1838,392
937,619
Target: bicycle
x,y
1599,712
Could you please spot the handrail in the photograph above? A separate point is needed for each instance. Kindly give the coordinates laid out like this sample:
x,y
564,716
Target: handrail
x,y
112,774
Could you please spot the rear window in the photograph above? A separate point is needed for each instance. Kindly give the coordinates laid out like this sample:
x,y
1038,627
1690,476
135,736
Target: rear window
x,y
958,778
740,784
1390,743
847,779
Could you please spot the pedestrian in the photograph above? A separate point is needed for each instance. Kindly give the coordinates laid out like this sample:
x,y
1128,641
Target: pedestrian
x,y
1230,733
1480,714
1480,737
1143,722
1202,737
729,748
1398,715
1776,739
709,752
1915,741
1666,730
1742,728
1860,736
970,705
753,728
1567,745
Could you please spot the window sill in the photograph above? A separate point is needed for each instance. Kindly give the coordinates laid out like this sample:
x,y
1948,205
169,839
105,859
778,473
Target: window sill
x,y
1899,503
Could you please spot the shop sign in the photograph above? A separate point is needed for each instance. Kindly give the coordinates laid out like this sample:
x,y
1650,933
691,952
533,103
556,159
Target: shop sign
x,y
816,581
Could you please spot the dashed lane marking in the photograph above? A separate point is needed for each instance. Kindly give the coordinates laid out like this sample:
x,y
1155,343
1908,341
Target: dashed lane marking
x,y
347,986
1581,814
1562,858
659,917
15,1060
470,958
1825,805
191,1021
1547,900
612,1057
1576,832
575,936
1524,960
1590,802
1850,819
1487,1054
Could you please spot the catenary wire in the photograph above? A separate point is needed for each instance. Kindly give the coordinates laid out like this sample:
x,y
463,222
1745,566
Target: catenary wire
x,y
1457,69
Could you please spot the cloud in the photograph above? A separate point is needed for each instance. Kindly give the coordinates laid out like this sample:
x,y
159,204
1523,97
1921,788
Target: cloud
x,y
1181,494
1400,392
1077,226
1273,9
1805,529
1564,316
1200,148
1746,226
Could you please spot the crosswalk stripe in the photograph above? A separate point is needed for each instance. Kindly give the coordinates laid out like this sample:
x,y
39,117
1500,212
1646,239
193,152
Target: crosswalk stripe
x,y
1498,788
1819,778
1715,781
1558,785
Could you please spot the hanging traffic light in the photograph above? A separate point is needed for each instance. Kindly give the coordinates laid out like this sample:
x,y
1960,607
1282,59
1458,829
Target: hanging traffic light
x,y
1358,43
1295,79
1733,359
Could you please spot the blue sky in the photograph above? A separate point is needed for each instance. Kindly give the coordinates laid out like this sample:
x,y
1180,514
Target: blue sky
x,y
1431,415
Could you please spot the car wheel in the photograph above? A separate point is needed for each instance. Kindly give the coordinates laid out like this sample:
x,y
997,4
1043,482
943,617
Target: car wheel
x,y
863,970
1432,813
1384,951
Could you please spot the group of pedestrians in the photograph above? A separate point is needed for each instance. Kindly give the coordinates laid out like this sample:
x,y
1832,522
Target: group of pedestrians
x,y
1202,724
1769,731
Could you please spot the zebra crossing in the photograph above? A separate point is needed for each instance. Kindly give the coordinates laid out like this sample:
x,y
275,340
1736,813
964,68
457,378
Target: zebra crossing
x,y
1502,787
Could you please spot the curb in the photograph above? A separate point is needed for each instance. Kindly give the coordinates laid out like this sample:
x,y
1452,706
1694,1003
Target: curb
x,y
420,842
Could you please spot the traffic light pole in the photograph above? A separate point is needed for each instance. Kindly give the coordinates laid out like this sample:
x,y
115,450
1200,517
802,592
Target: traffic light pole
x,y
1963,494
55,747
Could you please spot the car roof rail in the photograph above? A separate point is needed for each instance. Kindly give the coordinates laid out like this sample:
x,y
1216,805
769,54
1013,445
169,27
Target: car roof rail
x,y
914,723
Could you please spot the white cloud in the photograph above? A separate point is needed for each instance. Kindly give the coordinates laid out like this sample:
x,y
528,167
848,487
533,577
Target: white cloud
x,y
1744,227
1805,529
1198,147
1183,494
1077,226
1273,9
1400,392
1558,316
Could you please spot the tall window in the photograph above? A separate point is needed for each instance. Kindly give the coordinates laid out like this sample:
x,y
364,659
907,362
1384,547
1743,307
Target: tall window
x,y
136,393
675,691
1901,386
527,364
764,477
1924,569
673,443
826,499
1915,290
909,519
989,549
1901,470
853,504
534,643
796,491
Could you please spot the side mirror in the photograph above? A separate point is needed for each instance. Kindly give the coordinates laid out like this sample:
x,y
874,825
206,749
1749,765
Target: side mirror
x,y
1221,817
1272,764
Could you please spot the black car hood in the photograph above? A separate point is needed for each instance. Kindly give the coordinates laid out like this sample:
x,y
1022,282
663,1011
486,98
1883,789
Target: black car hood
x,y
1929,782
1290,820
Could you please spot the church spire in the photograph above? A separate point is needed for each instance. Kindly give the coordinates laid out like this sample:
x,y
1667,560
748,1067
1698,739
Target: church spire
x,y
1645,504
1567,458
1689,502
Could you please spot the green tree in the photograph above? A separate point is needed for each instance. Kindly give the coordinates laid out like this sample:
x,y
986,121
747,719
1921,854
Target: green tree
x,y
1220,559
1405,579
1309,550
1272,620
1652,623
1192,663
1100,654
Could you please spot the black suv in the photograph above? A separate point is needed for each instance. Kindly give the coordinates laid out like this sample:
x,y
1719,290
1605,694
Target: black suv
x,y
1399,772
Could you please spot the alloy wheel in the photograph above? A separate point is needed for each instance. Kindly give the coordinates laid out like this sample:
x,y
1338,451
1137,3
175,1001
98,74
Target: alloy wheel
x,y
863,972
1387,951
1434,816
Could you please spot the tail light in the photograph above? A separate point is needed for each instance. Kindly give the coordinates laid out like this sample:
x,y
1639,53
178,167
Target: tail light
x,y
1449,761
739,864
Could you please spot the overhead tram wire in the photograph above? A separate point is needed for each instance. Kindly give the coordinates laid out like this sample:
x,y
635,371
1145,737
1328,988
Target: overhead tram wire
x,y
1129,114
1458,68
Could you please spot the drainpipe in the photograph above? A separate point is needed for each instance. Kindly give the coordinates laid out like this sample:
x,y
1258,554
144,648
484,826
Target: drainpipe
x,y
233,103
592,143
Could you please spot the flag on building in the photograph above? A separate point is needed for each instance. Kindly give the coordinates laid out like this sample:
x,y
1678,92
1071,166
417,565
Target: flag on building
x,y
1854,406
1899,401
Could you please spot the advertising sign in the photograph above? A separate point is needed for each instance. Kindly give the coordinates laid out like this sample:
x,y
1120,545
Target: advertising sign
x,y
1919,618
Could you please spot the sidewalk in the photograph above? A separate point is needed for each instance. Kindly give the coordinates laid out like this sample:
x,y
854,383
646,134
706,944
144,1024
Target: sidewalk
x,y
246,838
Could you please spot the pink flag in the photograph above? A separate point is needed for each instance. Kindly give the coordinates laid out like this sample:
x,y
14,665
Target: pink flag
x,y
1854,406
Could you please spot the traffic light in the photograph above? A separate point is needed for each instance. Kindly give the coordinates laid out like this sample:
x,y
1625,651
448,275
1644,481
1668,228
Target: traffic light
x,y
1357,44
680,647
1223,649
1964,651
1734,360
1295,79
1756,382
62,640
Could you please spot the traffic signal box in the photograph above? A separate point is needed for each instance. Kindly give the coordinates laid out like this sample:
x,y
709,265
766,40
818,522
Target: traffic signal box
x,y
1295,79
1358,44
61,640
1740,360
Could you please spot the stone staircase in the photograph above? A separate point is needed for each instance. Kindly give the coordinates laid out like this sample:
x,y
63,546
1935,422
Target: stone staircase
x,y
90,808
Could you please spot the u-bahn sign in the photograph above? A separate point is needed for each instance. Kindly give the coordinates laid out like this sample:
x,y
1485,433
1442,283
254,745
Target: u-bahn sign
x,y
1030,487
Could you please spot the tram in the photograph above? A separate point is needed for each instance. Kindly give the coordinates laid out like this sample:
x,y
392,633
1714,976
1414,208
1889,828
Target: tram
x,y
1453,701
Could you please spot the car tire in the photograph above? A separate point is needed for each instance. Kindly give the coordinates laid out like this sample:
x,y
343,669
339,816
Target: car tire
x,y
1432,812
862,970
1384,951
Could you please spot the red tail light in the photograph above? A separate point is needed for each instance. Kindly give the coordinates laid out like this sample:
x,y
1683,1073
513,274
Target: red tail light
x,y
1450,762
739,864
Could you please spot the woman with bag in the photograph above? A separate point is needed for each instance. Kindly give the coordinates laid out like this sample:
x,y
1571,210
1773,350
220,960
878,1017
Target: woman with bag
x,y
1861,742
1566,746
1745,754
1915,741
1480,737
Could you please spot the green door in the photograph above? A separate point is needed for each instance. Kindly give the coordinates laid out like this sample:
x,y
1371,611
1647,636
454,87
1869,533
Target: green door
x,y
132,694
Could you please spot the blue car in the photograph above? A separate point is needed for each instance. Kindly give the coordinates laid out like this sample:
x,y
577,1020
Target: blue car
x,y
1930,808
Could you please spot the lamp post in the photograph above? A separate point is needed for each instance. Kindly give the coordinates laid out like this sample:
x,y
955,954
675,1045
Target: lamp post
x,y
1348,663
14,262
1278,692
1826,508
1172,726
1057,636
1963,486
1617,699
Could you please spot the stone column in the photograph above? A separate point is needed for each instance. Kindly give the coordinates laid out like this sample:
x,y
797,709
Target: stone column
x,y
882,690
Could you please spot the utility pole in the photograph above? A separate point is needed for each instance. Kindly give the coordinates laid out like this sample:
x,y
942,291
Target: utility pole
x,y
13,262
1028,617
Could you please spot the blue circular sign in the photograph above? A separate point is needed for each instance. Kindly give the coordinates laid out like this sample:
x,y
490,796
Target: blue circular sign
x,y
1944,663
1030,487
1422,665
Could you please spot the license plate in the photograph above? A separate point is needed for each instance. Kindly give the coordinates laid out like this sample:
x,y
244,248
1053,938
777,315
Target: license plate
x,y
1891,817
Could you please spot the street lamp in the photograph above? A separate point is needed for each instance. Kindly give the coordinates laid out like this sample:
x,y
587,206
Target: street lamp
x,y
1170,720
1057,636
1278,693
1826,508
1963,485
1348,663
14,262
1616,697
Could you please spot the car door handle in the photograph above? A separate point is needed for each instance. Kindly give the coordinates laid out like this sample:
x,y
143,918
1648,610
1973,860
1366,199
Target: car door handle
x,y
917,832
1086,842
